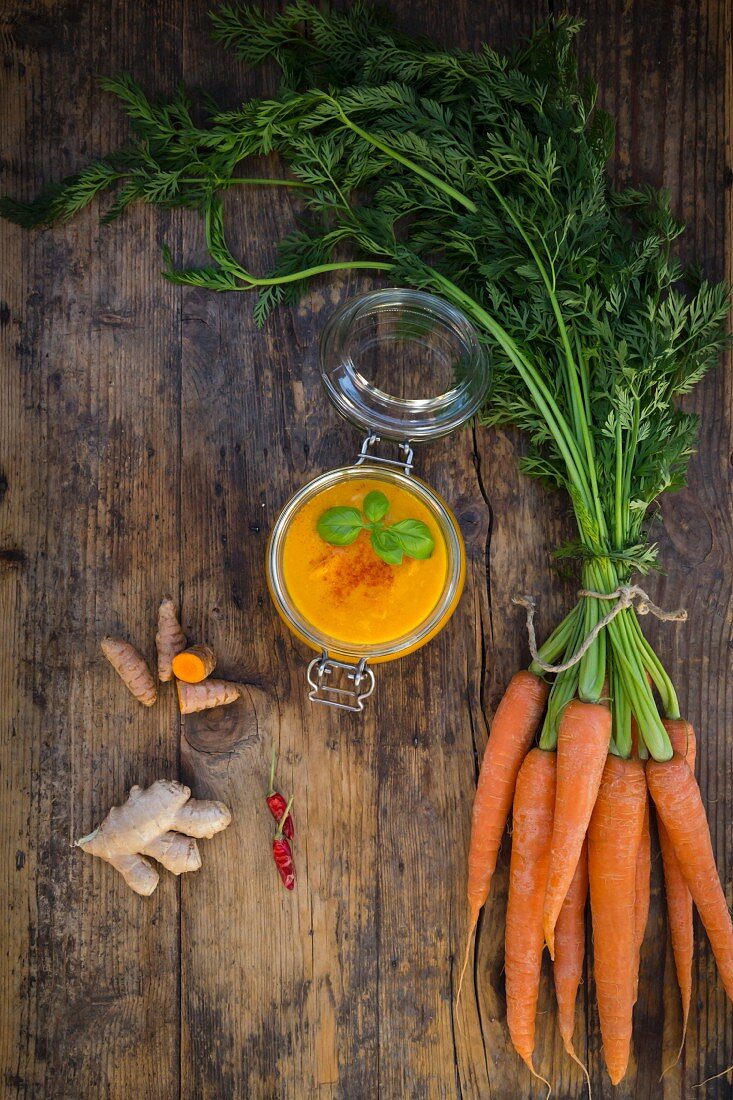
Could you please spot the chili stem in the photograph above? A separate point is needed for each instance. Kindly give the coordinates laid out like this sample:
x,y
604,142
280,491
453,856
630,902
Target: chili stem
x,y
283,819
271,788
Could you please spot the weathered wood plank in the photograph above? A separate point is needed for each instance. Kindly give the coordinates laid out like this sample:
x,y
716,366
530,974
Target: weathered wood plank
x,y
286,982
90,388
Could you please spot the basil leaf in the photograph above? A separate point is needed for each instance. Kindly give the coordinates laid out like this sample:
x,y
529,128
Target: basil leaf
x,y
340,526
376,506
387,545
414,538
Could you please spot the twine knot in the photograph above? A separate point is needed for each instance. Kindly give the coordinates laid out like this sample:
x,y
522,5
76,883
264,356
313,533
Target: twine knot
x,y
626,595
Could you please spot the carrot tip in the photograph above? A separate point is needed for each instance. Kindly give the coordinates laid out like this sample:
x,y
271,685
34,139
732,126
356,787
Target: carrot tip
x,y
469,941
679,1053
548,927
530,1066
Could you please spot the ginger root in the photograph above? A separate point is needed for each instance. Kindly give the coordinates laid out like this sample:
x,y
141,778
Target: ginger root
x,y
132,669
210,693
195,664
170,639
151,823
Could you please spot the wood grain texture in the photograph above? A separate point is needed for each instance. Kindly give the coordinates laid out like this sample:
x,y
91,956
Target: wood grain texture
x,y
149,437
90,974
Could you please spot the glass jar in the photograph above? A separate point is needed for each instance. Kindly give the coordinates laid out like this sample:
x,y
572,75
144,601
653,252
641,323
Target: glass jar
x,y
345,602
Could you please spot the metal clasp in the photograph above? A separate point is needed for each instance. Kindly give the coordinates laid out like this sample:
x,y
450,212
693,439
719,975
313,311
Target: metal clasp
x,y
365,455
343,698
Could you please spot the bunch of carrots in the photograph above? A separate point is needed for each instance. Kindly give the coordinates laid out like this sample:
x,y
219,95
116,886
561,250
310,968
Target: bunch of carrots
x,y
581,825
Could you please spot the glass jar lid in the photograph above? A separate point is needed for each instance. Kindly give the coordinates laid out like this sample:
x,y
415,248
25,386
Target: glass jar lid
x,y
383,352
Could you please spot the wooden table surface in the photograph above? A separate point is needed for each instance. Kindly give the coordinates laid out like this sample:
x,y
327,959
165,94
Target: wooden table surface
x,y
149,437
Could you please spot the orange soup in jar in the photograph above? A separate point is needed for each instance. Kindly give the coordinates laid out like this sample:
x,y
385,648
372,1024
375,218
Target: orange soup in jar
x,y
349,591
346,601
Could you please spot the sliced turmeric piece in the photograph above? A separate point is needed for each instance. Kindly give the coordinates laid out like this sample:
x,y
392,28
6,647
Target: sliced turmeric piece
x,y
132,669
194,664
170,639
210,693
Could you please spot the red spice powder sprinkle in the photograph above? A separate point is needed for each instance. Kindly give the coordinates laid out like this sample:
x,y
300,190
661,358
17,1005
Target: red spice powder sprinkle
x,y
358,565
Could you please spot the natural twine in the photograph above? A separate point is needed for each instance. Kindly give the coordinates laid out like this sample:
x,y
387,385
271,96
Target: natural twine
x,y
626,595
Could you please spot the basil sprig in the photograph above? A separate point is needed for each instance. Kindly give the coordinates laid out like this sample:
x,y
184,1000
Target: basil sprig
x,y
391,542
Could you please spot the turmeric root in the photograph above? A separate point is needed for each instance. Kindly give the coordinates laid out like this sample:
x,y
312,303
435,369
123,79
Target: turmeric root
x,y
170,639
211,693
150,823
132,669
195,664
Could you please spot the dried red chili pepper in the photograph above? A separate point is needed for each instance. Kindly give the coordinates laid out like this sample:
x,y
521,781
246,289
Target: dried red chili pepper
x,y
282,852
276,801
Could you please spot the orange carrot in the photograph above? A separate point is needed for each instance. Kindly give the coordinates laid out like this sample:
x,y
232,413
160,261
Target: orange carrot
x,y
613,840
512,733
682,737
679,898
570,950
534,802
643,893
680,808
582,745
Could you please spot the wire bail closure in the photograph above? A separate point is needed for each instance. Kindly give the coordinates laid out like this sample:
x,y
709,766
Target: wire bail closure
x,y
351,699
406,463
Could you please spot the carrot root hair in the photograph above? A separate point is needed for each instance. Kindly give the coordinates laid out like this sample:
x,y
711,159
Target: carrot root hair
x,y
715,1077
671,1065
538,1076
474,915
570,1051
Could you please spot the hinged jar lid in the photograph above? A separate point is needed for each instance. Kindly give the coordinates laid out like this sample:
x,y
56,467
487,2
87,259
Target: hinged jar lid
x,y
384,353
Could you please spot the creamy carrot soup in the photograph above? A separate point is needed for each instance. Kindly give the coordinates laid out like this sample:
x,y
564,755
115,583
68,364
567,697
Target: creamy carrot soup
x,y
348,592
